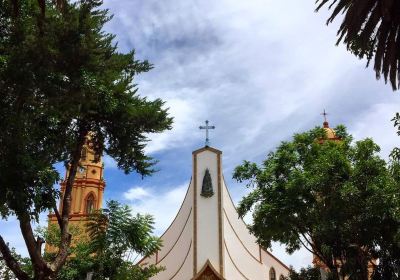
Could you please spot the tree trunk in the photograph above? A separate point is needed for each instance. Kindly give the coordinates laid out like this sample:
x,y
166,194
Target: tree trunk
x,y
11,262
66,205
34,247
42,270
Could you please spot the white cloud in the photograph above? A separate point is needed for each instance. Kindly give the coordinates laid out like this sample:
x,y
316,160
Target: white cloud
x,y
136,193
162,205
186,115
259,71
377,124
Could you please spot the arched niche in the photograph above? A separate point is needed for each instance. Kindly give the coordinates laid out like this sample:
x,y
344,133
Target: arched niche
x,y
272,274
90,203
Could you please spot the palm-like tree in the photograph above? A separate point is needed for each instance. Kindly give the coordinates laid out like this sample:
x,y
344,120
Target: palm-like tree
x,y
371,29
117,237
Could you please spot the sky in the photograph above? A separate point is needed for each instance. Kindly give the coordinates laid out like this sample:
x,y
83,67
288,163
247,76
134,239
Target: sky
x,y
258,70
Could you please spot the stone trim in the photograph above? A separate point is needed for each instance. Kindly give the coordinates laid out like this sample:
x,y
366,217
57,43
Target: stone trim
x,y
206,149
194,214
220,224
208,264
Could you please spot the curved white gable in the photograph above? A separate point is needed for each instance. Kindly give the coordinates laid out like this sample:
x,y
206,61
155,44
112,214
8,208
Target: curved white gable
x,y
208,231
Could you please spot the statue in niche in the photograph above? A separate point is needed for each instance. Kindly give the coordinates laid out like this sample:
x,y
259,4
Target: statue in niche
x,y
207,188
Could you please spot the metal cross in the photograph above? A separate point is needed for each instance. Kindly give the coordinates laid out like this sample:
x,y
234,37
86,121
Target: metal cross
x,y
207,127
324,114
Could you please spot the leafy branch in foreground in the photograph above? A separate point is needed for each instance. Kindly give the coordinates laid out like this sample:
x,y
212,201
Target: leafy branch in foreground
x,y
370,29
108,244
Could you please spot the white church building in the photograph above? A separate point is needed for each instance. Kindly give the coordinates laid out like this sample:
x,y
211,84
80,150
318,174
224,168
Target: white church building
x,y
207,240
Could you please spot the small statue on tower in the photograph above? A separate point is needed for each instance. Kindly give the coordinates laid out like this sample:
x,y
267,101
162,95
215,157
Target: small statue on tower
x,y
207,188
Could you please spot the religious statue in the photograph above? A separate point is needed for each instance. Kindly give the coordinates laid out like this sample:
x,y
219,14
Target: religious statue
x,y
207,188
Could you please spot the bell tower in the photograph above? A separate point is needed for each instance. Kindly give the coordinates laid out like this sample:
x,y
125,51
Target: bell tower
x,y
88,187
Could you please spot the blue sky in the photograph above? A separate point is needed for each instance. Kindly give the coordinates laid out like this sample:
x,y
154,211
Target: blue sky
x,y
259,70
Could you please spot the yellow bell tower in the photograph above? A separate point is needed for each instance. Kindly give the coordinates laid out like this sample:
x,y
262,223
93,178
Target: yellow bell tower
x,y
87,190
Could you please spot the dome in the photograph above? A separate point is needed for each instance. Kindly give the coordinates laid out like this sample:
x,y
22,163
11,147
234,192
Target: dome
x,y
330,133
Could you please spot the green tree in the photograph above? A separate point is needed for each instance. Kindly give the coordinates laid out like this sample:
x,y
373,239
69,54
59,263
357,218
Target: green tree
x,y
107,245
370,29
309,273
337,199
61,80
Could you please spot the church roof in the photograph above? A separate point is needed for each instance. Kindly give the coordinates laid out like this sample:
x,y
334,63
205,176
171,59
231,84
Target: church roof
x,y
207,236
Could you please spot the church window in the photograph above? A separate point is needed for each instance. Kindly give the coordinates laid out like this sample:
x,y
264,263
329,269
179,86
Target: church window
x,y
272,274
90,204
281,277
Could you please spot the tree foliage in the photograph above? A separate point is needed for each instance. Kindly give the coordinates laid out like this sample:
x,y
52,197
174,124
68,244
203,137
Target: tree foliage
x,y
370,29
108,245
338,199
309,273
61,80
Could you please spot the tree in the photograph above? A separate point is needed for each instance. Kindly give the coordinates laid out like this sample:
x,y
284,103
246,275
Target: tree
x,y
338,199
370,29
309,273
107,244
60,81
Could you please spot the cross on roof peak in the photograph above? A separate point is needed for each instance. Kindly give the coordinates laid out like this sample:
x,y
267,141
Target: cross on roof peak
x,y
207,127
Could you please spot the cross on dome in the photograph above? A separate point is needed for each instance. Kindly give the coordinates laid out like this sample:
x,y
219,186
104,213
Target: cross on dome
x,y
207,127
326,124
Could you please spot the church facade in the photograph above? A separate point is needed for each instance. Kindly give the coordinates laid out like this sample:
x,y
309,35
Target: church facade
x,y
207,239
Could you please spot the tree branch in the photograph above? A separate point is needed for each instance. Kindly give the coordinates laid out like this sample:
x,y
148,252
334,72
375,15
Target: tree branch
x,y
33,246
57,216
66,205
310,243
11,262
314,251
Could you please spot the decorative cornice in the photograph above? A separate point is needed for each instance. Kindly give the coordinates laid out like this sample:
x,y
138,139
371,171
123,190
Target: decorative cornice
x,y
85,180
207,148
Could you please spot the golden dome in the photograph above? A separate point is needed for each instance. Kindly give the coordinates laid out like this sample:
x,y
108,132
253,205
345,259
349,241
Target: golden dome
x,y
330,133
